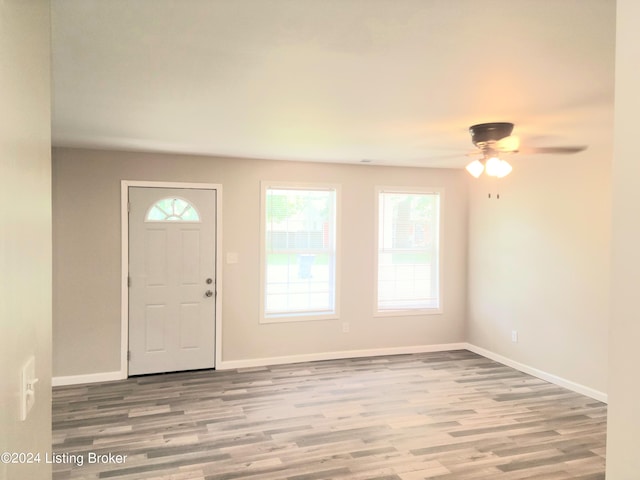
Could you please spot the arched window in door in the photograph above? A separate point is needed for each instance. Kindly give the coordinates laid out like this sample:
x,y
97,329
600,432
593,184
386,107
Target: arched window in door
x,y
172,210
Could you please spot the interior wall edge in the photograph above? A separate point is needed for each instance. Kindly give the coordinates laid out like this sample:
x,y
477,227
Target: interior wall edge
x,y
314,357
88,378
549,377
283,360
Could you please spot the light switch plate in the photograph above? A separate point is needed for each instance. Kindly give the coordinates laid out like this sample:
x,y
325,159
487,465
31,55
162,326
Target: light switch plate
x,y
27,387
232,257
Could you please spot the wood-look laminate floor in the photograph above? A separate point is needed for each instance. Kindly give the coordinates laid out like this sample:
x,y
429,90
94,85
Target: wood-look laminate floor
x,y
446,415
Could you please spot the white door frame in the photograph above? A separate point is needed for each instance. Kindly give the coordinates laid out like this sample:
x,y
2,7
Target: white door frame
x,y
124,296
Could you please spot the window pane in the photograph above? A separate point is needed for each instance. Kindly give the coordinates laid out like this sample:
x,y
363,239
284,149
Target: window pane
x,y
408,270
300,252
172,210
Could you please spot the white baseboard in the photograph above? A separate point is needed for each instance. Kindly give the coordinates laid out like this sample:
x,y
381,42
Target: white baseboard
x,y
576,387
313,357
87,378
261,362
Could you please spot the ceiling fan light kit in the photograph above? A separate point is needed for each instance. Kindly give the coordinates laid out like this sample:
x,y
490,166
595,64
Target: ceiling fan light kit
x,y
494,167
485,136
495,138
475,168
483,133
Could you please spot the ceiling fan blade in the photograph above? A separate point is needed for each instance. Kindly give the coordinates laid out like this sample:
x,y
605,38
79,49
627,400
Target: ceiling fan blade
x,y
474,153
508,144
556,150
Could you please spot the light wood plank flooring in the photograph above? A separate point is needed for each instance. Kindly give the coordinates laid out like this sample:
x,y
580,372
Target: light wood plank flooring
x,y
446,415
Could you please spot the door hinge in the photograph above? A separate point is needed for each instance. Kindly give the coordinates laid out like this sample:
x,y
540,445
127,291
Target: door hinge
x,y
128,207
128,354
128,281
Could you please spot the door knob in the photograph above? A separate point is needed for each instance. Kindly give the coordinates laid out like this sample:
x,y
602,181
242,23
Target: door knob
x,y
208,293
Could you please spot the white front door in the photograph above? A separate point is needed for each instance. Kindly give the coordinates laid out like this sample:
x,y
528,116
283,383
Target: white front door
x,y
172,284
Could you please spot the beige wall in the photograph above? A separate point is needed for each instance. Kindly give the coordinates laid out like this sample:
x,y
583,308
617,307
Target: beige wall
x,y
539,263
25,229
87,256
623,428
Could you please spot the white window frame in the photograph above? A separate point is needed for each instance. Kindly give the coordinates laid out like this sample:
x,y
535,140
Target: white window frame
x,y
377,312
298,317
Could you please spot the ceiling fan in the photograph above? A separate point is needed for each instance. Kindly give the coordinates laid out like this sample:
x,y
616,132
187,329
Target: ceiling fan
x,y
494,140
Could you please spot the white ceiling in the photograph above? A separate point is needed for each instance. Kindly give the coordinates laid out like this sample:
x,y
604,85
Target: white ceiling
x,y
397,82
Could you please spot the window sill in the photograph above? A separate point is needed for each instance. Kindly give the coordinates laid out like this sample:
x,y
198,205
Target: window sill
x,y
299,318
408,313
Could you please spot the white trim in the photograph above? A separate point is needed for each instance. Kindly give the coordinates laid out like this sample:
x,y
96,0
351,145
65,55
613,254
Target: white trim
x,y
313,357
124,266
294,317
549,377
124,276
87,378
408,312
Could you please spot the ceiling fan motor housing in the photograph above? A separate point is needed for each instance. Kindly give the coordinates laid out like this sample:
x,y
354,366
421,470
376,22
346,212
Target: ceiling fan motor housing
x,y
489,132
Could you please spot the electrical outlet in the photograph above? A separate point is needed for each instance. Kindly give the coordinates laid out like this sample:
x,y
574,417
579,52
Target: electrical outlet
x,y
514,336
345,327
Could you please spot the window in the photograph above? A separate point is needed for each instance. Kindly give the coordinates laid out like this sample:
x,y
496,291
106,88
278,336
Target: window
x,y
299,253
408,251
172,210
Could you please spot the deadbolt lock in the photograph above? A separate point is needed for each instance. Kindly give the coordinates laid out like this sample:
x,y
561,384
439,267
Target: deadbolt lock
x,y
209,281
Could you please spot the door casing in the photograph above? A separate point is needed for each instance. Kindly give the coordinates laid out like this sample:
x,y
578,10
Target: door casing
x,y
124,295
